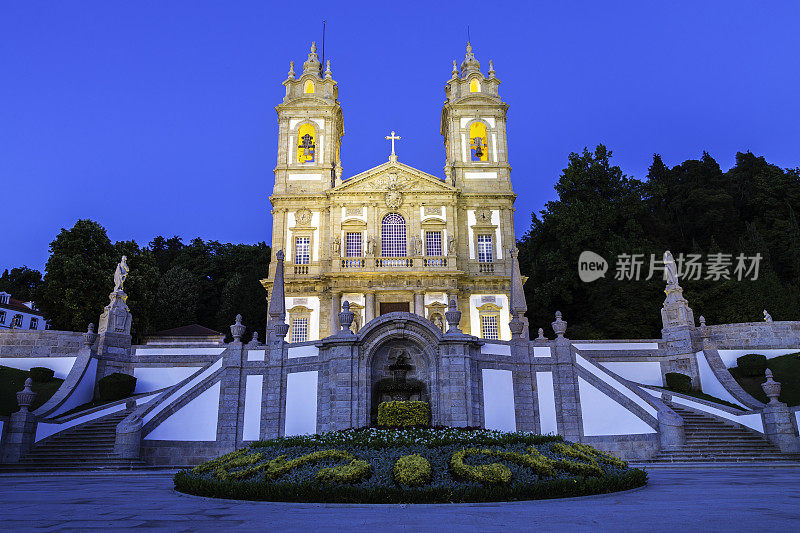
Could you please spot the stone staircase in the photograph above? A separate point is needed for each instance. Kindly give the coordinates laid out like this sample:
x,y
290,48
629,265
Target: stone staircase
x,y
709,439
89,446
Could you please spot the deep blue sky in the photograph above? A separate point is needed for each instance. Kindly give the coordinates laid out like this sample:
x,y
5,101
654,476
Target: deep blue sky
x,y
158,117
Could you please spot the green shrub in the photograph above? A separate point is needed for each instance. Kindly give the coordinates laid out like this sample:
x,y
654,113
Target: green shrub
x,y
404,414
410,465
412,470
752,365
41,374
115,386
678,382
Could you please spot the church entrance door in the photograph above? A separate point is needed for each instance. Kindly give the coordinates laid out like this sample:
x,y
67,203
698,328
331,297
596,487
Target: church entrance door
x,y
391,307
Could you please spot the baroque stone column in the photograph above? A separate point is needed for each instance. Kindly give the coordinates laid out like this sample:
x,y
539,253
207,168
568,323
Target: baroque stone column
x,y
369,306
419,303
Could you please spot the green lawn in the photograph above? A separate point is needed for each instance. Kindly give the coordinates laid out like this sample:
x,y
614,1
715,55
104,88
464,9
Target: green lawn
x,y
12,380
785,370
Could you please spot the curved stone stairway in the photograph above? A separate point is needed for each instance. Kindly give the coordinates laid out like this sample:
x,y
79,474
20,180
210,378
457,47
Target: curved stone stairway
x,y
89,446
709,439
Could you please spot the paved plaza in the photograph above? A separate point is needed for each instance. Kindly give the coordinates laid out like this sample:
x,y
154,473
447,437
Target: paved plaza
x,y
718,499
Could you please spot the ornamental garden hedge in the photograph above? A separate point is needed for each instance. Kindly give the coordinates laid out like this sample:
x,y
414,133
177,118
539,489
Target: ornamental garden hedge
x,y
410,465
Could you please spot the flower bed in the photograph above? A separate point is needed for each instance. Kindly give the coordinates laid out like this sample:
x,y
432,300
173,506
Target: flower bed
x,y
411,465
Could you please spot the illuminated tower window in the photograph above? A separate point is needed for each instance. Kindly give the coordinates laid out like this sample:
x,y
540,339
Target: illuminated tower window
x,y
475,85
308,87
478,143
306,147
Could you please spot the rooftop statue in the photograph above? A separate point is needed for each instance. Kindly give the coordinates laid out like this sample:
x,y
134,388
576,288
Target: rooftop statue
x,y
670,269
121,274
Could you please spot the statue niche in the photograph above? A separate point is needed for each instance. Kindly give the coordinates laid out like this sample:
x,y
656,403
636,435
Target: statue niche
x,y
397,370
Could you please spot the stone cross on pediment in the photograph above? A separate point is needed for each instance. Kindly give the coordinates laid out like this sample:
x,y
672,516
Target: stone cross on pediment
x,y
393,138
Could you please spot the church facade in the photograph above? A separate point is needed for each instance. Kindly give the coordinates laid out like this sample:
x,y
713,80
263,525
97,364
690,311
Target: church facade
x,y
394,284
394,238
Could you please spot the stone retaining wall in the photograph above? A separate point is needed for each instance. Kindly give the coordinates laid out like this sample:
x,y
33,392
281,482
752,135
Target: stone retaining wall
x,y
39,343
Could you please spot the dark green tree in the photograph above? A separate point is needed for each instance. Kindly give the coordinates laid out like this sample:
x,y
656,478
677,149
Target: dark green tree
x,y
177,299
21,282
78,276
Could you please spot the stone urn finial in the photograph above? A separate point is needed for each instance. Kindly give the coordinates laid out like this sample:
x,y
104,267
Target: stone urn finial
x,y
772,388
346,318
702,321
541,336
90,336
453,316
26,396
281,329
237,329
559,326
254,340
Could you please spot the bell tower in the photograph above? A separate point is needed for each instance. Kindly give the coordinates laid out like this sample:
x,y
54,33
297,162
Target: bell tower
x,y
310,129
474,129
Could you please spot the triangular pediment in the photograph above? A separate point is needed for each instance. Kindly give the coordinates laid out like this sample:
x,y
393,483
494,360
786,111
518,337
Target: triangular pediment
x,y
393,175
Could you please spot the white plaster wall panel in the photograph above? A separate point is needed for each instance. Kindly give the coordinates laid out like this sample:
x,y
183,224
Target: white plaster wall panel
x,y
60,365
253,389
315,238
290,150
604,416
302,351
464,152
496,349
498,400
729,357
320,148
301,403
179,351
753,421
494,147
709,382
616,385
616,346
797,419
181,391
445,243
480,175
545,392
293,122
470,232
195,421
320,122
644,372
435,297
45,429
498,237
154,378
465,120
256,355
541,351
289,246
83,391
489,121
296,176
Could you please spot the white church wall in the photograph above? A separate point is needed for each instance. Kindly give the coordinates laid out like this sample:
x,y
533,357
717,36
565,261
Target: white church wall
x,y
253,390
498,400
83,391
710,384
60,365
301,403
505,317
470,233
165,402
195,421
155,378
616,385
498,235
545,392
645,372
312,302
604,416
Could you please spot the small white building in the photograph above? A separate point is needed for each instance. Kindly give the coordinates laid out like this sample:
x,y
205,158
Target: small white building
x,y
19,315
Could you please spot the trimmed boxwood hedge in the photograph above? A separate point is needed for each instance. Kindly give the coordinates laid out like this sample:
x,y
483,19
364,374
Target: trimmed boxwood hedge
x,y
417,465
678,382
404,413
752,365
115,386
41,374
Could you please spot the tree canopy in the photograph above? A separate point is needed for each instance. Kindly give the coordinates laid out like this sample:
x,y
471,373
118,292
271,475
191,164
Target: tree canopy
x,y
691,208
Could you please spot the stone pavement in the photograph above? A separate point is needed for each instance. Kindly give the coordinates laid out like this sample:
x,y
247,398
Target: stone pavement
x,y
719,499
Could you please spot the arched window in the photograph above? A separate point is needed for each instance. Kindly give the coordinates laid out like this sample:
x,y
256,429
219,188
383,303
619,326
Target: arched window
x,y
478,141
475,85
306,147
393,236
308,87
